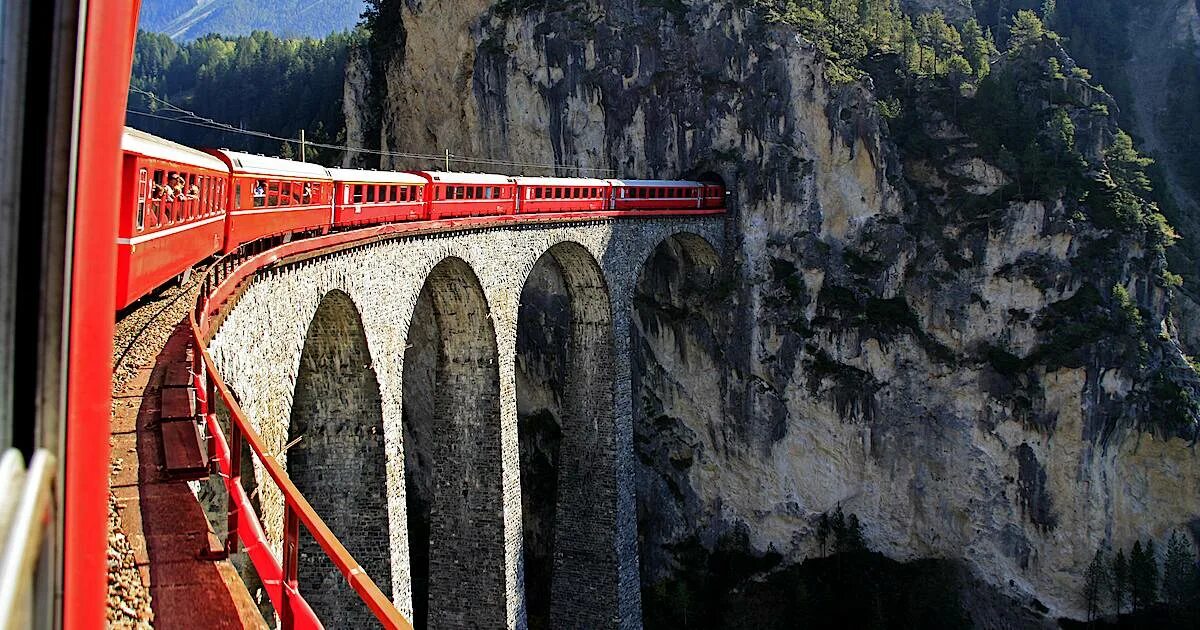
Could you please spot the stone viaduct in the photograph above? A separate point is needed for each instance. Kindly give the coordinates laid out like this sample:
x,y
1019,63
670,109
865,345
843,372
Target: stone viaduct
x,y
389,373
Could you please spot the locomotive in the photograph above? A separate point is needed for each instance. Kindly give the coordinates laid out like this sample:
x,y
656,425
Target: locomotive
x,y
180,206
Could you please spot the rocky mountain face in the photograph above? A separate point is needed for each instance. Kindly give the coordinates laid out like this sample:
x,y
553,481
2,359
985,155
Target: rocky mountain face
x,y
980,375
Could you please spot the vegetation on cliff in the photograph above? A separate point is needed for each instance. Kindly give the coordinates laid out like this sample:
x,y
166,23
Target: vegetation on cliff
x,y
955,104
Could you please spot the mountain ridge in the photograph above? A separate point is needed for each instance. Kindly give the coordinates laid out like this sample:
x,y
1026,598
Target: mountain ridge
x,y
184,20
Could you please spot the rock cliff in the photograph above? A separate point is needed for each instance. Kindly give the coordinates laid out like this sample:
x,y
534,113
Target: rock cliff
x,y
972,371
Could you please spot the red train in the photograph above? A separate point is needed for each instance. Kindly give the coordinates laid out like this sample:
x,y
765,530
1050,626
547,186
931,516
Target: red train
x,y
180,206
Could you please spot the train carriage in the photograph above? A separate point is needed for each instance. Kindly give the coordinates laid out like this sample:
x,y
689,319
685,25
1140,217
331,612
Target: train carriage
x,y
173,203
271,196
561,194
369,197
452,195
714,196
656,194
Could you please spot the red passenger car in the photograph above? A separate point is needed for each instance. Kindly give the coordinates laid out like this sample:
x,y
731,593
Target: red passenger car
x,y
468,194
271,196
172,212
560,194
370,197
714,196
654,194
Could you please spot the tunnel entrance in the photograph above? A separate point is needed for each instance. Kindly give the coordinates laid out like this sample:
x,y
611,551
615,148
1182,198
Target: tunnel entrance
x,y
452,461
566,436
677,387
336,459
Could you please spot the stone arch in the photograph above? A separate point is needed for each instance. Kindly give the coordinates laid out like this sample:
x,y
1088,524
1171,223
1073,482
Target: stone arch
x,y
453,465
677,387
566,434
337,460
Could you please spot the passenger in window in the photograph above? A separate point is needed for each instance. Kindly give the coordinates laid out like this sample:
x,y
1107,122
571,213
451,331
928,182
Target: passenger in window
x,y
260,193
177,185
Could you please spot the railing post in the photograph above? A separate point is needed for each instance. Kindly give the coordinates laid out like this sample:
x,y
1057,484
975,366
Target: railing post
x,y
291,558
235,477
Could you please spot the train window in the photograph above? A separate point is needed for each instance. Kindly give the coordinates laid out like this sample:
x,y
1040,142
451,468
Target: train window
x,y
489,193
141,200
272,193
358,193
370,194
285,193
479,192
194,196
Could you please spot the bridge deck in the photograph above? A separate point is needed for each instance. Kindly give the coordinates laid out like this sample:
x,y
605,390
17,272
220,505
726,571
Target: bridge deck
x,y
162,519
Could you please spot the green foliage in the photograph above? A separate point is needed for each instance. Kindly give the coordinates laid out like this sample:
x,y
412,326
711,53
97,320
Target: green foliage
x,y
1127,308
258,81
1026,28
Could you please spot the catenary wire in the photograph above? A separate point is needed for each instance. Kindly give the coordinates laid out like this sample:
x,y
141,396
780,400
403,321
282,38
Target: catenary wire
x,y
196,120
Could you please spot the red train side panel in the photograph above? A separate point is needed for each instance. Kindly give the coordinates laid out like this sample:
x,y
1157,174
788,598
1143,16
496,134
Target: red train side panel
x,y
561,194
271,196
452,195
371,197
654,194
172,212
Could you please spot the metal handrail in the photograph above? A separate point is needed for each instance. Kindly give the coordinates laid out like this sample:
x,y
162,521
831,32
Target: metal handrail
x,y
26,525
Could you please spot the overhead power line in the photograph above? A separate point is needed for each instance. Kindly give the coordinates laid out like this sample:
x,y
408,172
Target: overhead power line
x,y
188,117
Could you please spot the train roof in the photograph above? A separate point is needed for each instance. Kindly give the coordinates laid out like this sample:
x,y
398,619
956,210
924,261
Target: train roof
x,y
372,177
559,181
663,183
446,177
142,143
251,164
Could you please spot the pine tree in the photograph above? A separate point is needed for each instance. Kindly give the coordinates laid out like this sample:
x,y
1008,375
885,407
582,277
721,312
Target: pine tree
x,y
1179,574
978,47
852,538
824,529
1143,575
1026,27
1126,165
1095,585
1119,582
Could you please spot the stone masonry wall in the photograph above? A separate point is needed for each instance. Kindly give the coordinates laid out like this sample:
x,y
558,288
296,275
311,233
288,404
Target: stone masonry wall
x,y
337,459
258,350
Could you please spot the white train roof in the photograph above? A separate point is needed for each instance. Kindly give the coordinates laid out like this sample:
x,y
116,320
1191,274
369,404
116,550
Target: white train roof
x,y
658,183
445,177
142,143
251,164
559,181
375,177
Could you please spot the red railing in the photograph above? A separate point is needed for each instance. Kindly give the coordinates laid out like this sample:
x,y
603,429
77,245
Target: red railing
x,y
217,290
279,578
